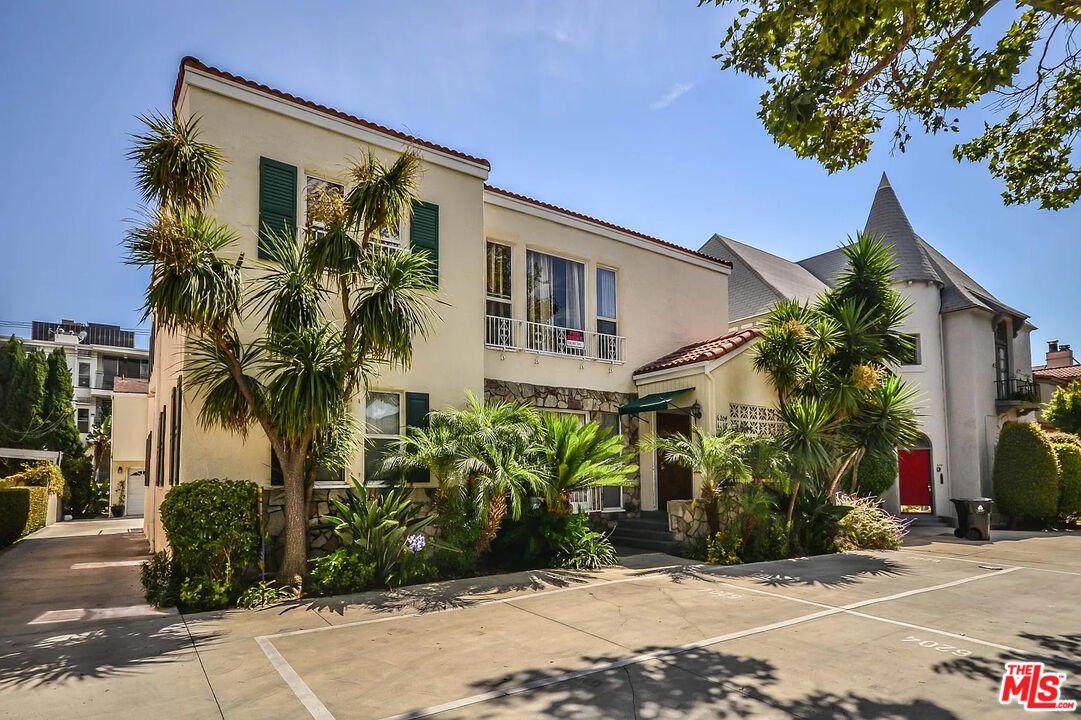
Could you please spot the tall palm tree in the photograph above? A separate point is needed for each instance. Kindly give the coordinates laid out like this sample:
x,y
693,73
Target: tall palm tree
x,y
297,379
717,458
580,456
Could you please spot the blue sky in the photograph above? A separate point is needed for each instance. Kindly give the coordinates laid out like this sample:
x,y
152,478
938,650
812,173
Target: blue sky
x,y
615,109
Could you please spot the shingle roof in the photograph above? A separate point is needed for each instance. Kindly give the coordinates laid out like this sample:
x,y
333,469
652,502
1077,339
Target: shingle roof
x,y
604,223
1069,372
191,62
703,351
918,260
759,279
130,385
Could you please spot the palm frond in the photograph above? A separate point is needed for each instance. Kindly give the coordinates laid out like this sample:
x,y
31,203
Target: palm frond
x,y
394,306
288,294
209,373
302,375
382,196
173,167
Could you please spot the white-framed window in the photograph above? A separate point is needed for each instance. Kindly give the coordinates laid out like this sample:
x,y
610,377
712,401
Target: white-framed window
x,y
611,497
497,282
383,425
607,323
555,291
84,374
82,419
314,187
916,356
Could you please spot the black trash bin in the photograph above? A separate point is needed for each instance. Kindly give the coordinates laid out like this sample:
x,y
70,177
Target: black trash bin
x,y
973,517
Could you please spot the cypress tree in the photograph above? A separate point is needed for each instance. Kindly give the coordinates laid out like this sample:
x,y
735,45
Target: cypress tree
x,y
58,414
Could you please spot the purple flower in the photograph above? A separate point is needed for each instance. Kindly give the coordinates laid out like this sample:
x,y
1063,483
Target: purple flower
x,y
416,542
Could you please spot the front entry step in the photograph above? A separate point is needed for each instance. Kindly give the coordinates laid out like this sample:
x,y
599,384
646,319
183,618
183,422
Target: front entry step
x,y
648,532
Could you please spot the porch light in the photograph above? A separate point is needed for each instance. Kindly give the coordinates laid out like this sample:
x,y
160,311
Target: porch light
x,y
696,410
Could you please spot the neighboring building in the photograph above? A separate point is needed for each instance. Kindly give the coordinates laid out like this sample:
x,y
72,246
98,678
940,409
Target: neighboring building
x,y
97,354
972,361
536,302
1059,369
128,445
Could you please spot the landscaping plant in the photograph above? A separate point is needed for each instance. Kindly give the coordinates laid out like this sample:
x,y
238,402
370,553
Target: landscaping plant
x,y
582,548
161,580
868,526
342,572
1069,460
1064,408
379,530
578,456
1026,475
213,528
263,594
331,306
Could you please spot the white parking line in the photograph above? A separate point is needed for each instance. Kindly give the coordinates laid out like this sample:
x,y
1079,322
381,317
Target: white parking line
x,y
985,561
320,712
91,614
109,564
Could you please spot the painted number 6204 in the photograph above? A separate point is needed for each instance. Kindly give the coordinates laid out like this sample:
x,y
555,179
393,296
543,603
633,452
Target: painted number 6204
x,y
940,647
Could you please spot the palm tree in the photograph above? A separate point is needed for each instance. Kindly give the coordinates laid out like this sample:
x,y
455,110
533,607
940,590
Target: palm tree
x,y
580,456
717,458
487,452
100,442
297,380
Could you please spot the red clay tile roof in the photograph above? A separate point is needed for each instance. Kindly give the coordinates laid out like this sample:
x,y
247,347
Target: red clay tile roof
x,y
1070,372
191,62
603,223
701,351
130,385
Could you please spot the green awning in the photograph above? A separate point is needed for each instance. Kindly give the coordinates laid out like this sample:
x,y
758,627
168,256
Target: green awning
x,y
652,403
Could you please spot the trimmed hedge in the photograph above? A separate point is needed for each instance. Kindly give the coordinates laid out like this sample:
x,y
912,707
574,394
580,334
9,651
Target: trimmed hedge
x,y
213,530
1069,460
22,511
46,475
1057,437
1026,474
877,474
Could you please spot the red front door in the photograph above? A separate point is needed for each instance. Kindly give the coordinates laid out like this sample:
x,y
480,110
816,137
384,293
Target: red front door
x,y
914,469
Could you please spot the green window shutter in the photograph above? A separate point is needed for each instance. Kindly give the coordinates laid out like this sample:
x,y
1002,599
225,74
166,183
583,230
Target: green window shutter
x,y
416,415
277,200
424,234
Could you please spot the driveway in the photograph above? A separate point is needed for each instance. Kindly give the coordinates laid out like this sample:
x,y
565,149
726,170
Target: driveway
x,y
919,633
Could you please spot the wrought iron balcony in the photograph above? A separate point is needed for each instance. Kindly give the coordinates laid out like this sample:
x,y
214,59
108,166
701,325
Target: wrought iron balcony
x,y
1016,391
511,334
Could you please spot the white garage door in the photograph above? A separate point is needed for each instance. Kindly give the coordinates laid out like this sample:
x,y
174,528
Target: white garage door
x,y
133,504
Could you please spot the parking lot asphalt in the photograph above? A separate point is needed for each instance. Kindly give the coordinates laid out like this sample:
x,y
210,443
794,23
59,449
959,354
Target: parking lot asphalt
x,y
923,633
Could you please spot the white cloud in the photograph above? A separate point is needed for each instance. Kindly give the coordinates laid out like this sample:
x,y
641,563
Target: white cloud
x,y
678,90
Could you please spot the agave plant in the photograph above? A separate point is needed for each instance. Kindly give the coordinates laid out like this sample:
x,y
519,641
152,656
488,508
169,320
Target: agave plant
x,y
379,529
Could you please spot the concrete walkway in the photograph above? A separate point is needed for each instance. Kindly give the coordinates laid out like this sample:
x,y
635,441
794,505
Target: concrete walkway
x,y
920,633
77,638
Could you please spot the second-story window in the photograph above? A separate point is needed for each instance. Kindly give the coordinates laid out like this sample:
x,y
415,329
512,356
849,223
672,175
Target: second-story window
x,y
497,281
606,301
321,197
84,374
555,304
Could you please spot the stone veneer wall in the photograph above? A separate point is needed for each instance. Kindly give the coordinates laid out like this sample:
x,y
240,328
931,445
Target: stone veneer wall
x,y
321,539
686,520
548,397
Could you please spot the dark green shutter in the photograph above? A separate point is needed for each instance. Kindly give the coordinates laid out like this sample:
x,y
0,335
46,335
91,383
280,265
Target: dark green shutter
x,y
277,477
416,415
424,234
277,200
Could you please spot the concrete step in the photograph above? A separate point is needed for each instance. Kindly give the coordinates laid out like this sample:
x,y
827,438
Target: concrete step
x,y
665,546
645,524
644,533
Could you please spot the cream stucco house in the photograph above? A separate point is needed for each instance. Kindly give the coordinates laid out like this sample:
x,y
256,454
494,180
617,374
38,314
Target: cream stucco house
x,y
598,305
972,362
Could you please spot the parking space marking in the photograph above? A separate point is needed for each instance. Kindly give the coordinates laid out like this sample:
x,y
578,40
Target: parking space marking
x,y
938,557
296,683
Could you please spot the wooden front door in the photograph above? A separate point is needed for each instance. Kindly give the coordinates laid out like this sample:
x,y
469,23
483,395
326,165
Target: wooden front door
x,y
915,481
673,482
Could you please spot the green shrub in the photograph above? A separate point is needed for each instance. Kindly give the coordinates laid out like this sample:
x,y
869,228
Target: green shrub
x,y
581,547
1026,485
1064,409
868,526
721,549
161,580
83,498
1057,437
47,475
341,572
22,511
1069,460
378,529
877,474
768,540
695,548
213,530
263,594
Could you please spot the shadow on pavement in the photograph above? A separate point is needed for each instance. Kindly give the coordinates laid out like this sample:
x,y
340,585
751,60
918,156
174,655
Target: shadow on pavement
x,y
696,683
821,571
103,651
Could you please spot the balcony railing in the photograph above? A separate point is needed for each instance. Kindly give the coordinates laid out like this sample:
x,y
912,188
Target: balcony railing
x,y
1017,390
511,334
